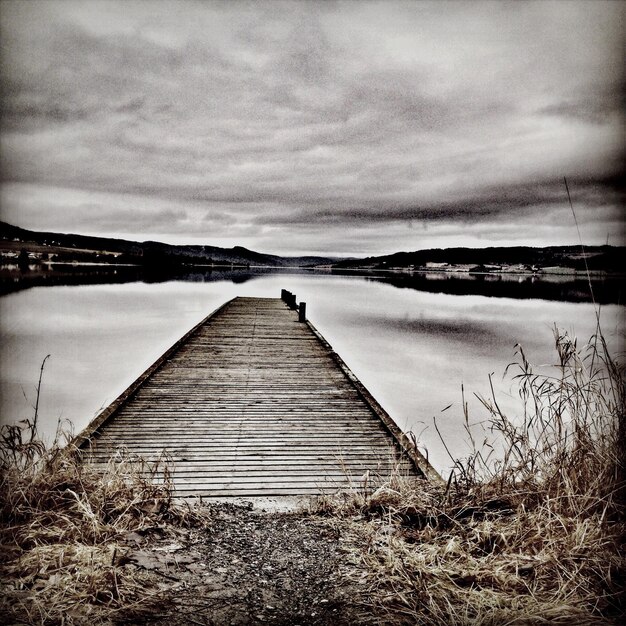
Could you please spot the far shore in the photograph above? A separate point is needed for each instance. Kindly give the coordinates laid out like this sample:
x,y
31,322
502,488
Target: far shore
x,y
9,265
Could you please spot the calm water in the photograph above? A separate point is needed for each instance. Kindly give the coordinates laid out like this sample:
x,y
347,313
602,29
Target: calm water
x,y
412,348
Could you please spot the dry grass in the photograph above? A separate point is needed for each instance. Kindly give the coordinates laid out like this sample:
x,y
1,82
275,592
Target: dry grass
x,y
528,530
532,534
62,528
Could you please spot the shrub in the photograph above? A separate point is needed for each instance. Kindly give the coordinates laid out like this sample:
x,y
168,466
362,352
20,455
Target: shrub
x,y
531,526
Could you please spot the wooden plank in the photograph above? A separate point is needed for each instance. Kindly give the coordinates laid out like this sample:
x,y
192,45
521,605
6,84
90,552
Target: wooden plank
x,y
294,463
252,401
332,447
354,470
220,433
231,459
250,474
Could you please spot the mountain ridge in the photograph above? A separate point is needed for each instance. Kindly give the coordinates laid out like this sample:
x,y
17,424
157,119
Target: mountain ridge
x,y
67,247
88,248
497,258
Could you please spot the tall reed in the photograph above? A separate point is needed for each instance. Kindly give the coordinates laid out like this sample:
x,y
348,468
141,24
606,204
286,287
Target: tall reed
x,y
531,526
568,443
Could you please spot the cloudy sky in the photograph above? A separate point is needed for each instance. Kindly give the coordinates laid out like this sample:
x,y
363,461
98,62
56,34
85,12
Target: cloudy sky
x,y
314,127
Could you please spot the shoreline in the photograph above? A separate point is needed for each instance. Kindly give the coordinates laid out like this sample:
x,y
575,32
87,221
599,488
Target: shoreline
x,y
453,270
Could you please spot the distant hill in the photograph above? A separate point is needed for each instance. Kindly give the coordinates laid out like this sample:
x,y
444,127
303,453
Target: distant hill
x,y
87,249
70,248
497,259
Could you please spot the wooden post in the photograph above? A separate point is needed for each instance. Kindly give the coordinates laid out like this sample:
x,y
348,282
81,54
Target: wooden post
x,y
302,312
289,298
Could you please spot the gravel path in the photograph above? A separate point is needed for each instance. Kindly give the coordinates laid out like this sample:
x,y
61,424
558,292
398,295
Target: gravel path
x,y
253,567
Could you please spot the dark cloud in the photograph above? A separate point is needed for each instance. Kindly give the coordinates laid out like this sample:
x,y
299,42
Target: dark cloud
x,y
284,115
491,203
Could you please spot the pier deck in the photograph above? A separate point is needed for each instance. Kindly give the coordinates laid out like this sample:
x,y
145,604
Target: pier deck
x,y
252,402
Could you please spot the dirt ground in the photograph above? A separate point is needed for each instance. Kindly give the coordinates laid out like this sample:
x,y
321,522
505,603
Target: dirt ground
x,y
251,566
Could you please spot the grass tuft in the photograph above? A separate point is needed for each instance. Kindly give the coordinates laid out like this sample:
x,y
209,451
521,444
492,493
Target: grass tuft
x,y
62,529
531,526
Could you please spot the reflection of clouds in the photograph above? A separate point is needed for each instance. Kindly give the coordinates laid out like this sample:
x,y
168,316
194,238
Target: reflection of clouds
x,y
470,332
464,331
311,118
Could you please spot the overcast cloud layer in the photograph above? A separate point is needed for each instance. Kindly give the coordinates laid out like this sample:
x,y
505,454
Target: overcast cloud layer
x,y
314,127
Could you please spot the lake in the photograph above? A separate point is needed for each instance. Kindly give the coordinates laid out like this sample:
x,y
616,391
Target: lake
x,y
412,340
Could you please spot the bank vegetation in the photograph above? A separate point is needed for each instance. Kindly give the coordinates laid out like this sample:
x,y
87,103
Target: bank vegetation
x,y
528,529
531,527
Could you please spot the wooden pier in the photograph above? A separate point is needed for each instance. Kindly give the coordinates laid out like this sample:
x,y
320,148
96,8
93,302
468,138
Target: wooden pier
x,y
254,402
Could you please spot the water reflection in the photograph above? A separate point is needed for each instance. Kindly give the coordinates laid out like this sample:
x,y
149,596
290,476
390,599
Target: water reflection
x,y
14,279
562,288
412,348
